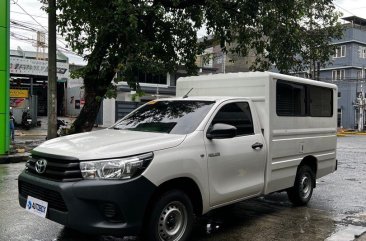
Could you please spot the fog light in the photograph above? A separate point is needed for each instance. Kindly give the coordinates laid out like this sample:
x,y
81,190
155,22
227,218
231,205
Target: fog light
x,y
112,213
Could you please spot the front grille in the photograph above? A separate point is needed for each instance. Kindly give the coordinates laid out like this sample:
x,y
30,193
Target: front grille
x,y
53,198
56,169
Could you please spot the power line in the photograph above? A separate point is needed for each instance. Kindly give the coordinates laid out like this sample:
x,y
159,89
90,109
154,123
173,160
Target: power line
x,y
22,25
13,26
358,8
64,48
22,37
25,22
15,2
32,24
343,8
36,16
22,40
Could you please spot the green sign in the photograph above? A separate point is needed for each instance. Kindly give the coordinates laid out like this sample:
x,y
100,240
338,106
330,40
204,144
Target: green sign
x,y
4,75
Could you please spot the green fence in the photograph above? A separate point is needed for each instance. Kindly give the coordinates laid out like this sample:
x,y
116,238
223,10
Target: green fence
x,y
4,75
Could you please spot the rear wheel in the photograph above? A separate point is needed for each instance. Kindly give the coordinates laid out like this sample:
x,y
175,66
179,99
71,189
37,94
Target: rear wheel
x,y
171,218
302,190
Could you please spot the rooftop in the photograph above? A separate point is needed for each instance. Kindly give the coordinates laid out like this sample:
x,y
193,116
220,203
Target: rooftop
x,y
355,20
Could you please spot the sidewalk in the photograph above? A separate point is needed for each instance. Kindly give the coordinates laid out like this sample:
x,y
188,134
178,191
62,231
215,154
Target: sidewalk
x,y
362,237
26,140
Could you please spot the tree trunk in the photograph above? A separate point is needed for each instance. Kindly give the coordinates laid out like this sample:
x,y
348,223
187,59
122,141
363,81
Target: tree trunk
x,y
96,85
88,114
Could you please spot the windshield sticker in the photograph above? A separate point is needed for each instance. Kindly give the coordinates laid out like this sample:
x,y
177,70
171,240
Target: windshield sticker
x,y
152,102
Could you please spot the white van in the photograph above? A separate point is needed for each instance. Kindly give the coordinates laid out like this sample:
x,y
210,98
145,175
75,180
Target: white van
x,y
223,139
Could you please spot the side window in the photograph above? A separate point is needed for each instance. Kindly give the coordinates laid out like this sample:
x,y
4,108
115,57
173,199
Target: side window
x,y
291,99
236,114
321,102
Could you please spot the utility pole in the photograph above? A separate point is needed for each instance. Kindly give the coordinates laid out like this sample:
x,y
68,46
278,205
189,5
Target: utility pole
x,y
52,77
360,106
361,110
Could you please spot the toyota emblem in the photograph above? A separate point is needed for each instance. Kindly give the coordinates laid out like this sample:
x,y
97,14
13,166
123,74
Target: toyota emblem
x,y
41,166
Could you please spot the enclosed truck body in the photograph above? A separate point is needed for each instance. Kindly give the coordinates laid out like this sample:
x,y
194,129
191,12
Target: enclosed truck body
x,y
297,117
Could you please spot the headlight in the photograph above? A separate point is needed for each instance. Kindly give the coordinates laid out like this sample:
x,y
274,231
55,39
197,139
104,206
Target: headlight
x,y
116,168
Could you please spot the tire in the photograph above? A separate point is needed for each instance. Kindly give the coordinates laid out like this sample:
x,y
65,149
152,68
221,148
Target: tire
x,y
300,194
171,218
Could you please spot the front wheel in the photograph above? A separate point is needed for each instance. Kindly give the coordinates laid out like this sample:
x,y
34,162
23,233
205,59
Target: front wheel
x,y
302,190
171,218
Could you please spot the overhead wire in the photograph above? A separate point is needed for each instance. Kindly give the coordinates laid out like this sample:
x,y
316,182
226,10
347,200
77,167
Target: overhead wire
x,y
339,6
39,24
16,2
22,25
36,16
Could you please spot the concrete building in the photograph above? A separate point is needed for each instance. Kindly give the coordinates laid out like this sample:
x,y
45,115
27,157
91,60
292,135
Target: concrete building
x,y
215,61
153,87
28,82
349,60
347,70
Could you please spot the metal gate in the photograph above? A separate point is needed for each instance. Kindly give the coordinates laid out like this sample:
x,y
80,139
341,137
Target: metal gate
x,y
125,107
99,120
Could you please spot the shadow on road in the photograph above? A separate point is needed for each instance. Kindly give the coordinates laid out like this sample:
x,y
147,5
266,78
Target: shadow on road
x,y
269,218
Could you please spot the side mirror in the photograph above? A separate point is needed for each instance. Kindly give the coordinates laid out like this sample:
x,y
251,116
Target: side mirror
x,y
221,131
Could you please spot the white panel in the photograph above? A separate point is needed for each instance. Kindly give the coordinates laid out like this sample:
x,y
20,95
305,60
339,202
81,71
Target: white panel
x,y
109,112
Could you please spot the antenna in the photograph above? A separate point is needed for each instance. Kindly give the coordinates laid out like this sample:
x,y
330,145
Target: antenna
x,y
186,95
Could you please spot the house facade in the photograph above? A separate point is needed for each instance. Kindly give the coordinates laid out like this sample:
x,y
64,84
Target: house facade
x,y
348,71
349,60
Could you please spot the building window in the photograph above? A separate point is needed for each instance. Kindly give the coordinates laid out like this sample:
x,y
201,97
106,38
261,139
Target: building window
x,y
148,78
359,74
207,58
340,52
338,74
362,52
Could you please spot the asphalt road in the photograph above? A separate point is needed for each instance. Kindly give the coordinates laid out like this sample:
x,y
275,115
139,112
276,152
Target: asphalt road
x,y
337,210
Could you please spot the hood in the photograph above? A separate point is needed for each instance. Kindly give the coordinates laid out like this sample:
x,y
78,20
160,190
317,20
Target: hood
x,y
108,143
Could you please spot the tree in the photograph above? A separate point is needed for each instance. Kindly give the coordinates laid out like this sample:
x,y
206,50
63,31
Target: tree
x,y
154,35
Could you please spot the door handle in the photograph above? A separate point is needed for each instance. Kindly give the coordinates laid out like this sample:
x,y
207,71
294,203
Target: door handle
x,y
257,146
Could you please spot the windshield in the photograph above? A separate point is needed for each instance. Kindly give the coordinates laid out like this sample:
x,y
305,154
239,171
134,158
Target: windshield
x,y
174,117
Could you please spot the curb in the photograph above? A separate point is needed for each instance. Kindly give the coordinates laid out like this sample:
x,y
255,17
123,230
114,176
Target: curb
x,y
31,134
14,158
352,133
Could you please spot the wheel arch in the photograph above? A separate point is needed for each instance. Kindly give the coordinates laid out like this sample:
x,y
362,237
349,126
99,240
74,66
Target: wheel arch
x,y
185,184
312,162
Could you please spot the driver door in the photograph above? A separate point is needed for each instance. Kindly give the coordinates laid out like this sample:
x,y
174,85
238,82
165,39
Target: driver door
x,y
236,168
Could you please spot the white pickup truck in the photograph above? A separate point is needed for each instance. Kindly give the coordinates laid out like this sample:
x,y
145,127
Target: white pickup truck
x,y
223,139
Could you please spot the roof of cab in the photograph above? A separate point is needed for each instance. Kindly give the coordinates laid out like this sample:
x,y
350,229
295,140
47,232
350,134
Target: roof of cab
x,y
204,98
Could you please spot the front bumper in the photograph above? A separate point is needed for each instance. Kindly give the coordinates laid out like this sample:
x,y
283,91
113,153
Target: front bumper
x,y
111,207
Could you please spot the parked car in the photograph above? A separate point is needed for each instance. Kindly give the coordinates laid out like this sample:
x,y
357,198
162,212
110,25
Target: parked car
x,y
233,137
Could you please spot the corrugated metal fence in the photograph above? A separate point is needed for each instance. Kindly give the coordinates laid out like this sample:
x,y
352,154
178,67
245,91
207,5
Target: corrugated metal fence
x,y
125,107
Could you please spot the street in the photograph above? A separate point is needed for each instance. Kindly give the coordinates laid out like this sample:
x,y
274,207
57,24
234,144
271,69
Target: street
x,y
337,210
